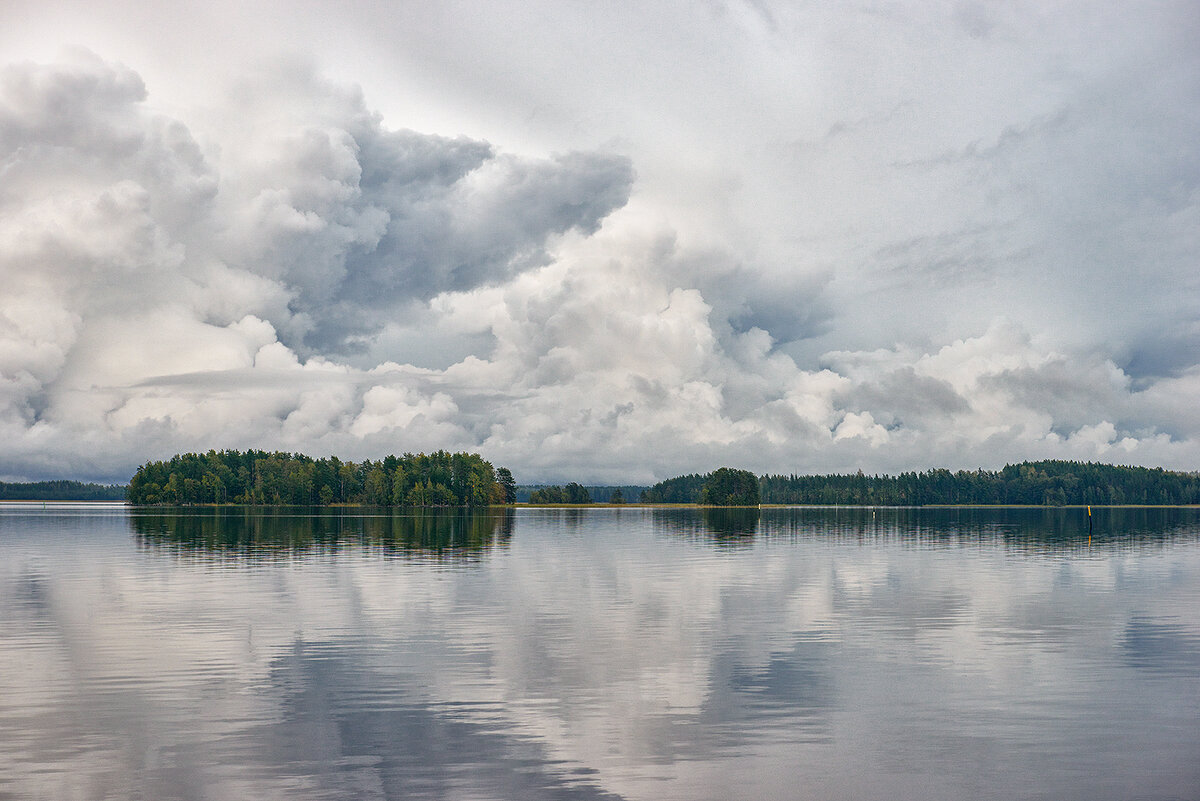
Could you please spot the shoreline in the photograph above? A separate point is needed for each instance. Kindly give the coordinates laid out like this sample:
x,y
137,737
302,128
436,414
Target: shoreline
x,y
633,505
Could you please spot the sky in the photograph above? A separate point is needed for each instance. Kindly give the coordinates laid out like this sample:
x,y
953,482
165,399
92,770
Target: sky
x,y
603,242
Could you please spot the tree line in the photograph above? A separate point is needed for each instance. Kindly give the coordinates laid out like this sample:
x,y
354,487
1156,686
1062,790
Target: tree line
x,y
60,491
681,489
722,487
262,478
571,493
1049,483
599,493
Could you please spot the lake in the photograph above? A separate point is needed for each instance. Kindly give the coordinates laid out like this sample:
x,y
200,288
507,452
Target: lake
x,y
624,653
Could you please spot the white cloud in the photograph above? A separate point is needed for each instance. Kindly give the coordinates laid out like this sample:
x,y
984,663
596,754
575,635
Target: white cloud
x,y
887,238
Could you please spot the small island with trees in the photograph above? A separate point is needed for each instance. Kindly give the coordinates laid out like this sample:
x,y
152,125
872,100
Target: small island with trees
x,y
729,487
261,478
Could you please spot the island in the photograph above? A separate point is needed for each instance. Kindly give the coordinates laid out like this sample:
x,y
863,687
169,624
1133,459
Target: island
x,y
260,478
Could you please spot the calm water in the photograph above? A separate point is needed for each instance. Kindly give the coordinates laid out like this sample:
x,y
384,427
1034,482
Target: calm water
x,y
599,654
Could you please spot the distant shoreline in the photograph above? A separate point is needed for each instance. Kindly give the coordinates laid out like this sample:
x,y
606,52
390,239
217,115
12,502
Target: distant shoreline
x,y
60,490
634,505
94,501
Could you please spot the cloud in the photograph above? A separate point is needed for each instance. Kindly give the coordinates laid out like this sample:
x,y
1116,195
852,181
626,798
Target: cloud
x,y
286,269
130,254
358,221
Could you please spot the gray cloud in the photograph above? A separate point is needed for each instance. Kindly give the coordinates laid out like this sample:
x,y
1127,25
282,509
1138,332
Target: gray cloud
x,y
1164,353
358,221
83,123
902,397
985,256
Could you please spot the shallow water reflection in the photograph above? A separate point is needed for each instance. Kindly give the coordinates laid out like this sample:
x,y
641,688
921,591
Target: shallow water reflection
x,y
609,653
248,532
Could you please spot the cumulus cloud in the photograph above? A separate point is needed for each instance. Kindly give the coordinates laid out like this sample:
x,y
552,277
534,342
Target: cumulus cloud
x,y
289,271
357,221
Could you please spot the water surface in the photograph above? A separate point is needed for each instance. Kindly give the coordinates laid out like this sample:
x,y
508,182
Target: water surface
x,y
617,654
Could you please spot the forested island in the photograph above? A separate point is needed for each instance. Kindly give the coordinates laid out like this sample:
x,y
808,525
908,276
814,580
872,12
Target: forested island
x,y
258,477
1049,483
60,491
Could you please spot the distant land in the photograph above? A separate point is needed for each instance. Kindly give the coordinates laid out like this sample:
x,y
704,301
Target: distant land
x,y
1044,483
60,491
444,479
599,493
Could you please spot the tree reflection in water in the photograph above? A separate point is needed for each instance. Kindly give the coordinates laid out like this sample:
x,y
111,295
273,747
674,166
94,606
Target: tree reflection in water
x,y
720,526
443,534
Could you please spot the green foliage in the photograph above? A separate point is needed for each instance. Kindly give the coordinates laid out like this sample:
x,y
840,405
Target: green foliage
x,y
507,483
577,494
1044,483
60,491
258,477
572,493
1048,483
684,489
722,487
599,493
729,487
617,497
548,495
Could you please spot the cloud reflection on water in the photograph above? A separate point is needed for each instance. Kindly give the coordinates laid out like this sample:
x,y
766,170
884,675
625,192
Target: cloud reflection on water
x,y
601,654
